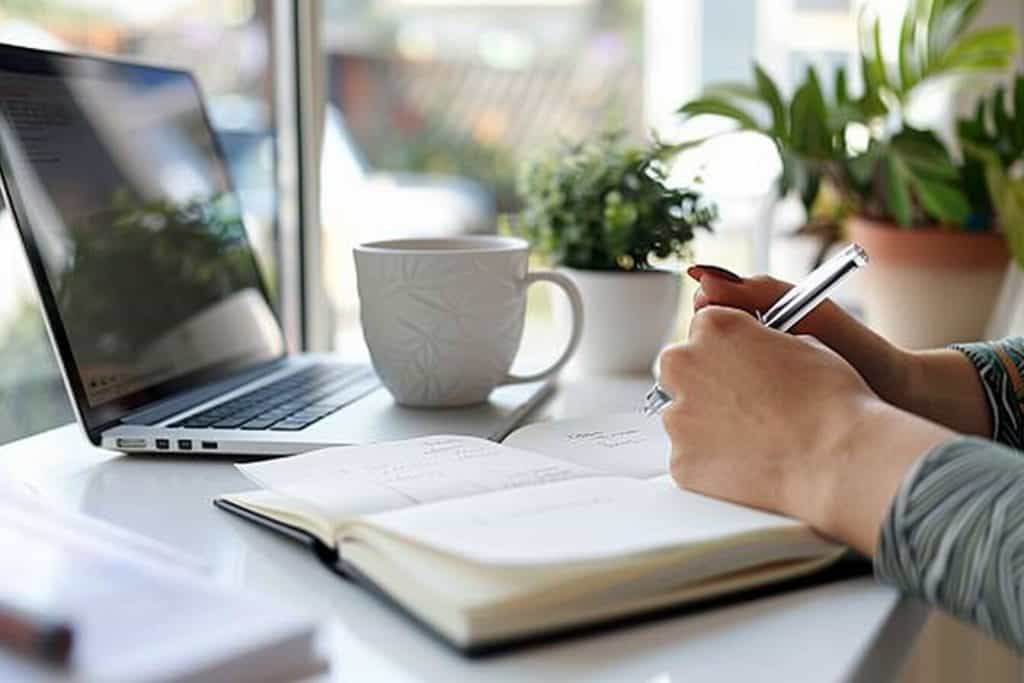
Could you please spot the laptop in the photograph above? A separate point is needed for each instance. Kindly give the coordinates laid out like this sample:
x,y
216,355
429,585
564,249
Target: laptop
x,y
154,301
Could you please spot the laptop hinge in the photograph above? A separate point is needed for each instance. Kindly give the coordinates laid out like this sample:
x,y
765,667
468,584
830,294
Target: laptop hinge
x,y
165,408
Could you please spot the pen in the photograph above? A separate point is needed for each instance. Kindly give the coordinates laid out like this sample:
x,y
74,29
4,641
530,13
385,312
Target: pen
x,y
43,638
791,308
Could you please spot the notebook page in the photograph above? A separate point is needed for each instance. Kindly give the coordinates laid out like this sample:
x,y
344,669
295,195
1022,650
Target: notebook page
x,y
587,519
345,481
626,444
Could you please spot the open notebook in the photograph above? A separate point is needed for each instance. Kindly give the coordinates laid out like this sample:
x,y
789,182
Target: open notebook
x,y
565,524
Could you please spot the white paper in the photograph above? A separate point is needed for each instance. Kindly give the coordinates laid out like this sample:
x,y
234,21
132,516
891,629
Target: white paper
x,y
360,479
586,519
627,444
136,615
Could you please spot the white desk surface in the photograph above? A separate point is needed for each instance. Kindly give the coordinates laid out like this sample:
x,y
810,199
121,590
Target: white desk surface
x,y
853,630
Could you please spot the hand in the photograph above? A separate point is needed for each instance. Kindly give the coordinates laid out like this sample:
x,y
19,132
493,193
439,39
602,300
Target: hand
x,y
883,366
942,386
782,423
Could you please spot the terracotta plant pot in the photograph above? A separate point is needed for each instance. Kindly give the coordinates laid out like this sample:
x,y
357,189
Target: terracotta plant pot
x,y
926,288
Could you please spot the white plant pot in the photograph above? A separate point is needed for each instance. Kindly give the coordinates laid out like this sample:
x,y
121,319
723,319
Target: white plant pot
x,y
627,319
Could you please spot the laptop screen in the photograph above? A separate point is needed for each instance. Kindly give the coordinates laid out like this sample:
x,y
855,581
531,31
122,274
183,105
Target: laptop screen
x,y
132,228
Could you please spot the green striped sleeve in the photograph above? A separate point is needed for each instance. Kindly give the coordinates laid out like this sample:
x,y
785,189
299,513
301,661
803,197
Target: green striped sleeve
x,y
954,535
1000,366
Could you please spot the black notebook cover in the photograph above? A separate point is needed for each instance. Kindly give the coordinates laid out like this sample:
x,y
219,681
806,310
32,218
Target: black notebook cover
x,y
849,566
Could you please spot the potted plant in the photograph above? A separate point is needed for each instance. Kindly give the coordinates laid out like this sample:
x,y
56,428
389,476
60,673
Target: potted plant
x,y
859,164
993,144
603,212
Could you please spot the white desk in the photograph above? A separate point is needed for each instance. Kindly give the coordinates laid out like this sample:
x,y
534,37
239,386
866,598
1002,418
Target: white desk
x,y
854,630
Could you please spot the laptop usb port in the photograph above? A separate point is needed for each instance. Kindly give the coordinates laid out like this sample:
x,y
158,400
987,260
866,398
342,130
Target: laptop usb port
x,y
132,444
184,444
163,444
209,445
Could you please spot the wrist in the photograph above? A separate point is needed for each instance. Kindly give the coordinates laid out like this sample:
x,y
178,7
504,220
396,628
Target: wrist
x,y
887,368
863,469
903,371
816,498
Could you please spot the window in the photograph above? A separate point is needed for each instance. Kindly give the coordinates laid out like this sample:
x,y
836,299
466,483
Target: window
x,y
227,44
432,106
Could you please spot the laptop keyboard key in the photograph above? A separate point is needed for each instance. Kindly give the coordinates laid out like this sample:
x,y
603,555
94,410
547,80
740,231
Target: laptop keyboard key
x,y
230,423
289,426
290,404
260,423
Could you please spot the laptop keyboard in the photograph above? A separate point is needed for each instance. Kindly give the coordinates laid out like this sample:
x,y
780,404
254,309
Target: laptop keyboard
x,y
291,403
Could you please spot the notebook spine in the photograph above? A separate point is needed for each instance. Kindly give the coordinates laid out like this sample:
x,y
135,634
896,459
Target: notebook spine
x,y
327,555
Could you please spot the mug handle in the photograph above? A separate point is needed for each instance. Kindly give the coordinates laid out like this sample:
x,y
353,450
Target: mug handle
x,y
576,302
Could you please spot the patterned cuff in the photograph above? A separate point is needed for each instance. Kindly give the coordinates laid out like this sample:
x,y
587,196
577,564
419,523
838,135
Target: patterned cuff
x,y
953,535
1000,366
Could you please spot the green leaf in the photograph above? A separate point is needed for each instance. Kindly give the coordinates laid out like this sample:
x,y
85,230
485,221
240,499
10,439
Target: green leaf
x,y
942,200
879,59
897,194
842,88
1017,130
809,192
939,170
725,91
871,101
979,115
983,153
788,179
999,116
770,93
672,150
809,118
982,49
719,107
862,167
946,19
908,76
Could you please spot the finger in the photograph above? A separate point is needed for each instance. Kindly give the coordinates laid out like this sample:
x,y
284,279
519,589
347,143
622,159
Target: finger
x,y
714,322
754,294
700,299
677,468
810,340
818,345
671,368
698,271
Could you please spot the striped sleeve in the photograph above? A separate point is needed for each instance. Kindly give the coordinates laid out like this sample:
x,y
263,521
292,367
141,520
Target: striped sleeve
x,y
1000,366
954,535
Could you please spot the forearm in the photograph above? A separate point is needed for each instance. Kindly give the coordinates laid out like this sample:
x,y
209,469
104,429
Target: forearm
x,y
941,386
945,386
953,535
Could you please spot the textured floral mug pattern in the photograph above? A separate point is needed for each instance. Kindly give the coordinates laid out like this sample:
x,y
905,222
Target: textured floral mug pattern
x,y
443,318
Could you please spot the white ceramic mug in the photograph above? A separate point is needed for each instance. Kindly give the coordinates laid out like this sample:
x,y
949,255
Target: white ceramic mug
x,y
443,318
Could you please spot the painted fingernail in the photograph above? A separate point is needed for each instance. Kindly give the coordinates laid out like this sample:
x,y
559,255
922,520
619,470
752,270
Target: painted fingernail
x,y
700,270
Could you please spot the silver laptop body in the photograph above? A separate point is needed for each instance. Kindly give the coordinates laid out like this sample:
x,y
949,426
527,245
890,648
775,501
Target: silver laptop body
x,y
155,305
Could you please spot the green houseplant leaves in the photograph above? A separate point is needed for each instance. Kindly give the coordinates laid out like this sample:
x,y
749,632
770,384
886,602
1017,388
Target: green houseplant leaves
x,y
993,145
898,174
605,204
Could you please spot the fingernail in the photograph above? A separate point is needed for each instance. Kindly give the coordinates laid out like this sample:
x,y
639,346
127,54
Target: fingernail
x,y
700,270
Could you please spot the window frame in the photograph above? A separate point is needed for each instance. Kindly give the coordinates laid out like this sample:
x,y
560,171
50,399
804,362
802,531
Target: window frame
x,y
299,101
